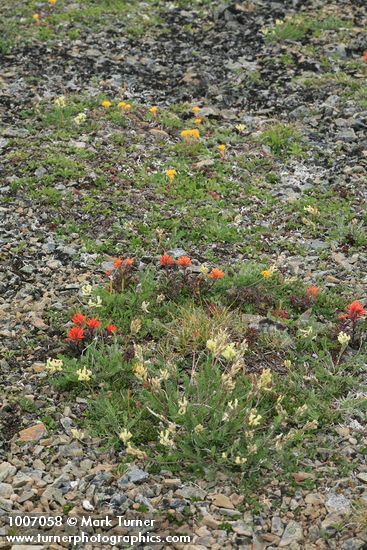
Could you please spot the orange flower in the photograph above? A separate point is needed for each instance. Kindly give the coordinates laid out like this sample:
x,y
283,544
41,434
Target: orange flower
x,y
364,56
79,319
93,323
355,310
166,260
129,262
75,334
216,273
184,261
108,273
111,329
312,291
117,263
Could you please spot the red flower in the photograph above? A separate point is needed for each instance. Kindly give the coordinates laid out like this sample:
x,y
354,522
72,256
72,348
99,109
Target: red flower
x,y
312,291
75,334
79,319
342,316
93,323
280,313
108,273
117,263
184,261
129,262
111,329
364,56
166,260
216,273
355,310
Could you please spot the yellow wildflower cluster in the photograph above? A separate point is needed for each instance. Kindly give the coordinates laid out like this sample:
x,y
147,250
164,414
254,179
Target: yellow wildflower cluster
x,y
84,374
53,365
124,106
189,135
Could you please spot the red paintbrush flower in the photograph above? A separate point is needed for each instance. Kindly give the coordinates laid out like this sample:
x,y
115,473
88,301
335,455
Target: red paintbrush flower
x,y
166,260
312,291
93,323
129,262
364,56
184,261
355,310
79,319
75,334
111,329
117,263
216,273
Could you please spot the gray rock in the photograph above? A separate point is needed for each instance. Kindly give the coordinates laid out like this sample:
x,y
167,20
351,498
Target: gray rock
x,y
338,504
293,533
6,490
353,544
277,526
133,475
6,470
177,252
190,491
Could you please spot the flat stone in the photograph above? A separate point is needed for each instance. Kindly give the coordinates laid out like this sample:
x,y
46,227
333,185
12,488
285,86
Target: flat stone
x,y
293,533
277,526
6,490
243,529
362,476
133,475
6,470
222,501
338,504
34,433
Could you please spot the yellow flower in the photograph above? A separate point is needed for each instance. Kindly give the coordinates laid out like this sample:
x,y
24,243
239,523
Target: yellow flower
x,y
222,150
171,174
267,273
125,436
311,210
53,365
84,375
164,374
153,110
124,106
160,298
106,104
196,110
287,363
198,121
190,134
36,17
204,270
97,303
240,460
343,338
52,2
224,456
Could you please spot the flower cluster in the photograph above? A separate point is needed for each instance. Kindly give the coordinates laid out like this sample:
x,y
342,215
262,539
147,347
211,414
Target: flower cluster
x,y
190,135
85,328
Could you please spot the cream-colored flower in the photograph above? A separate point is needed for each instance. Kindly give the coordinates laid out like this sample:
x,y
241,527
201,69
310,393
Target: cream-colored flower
x,y
287,363
182,405
95,303
164,374
229,352
60,101
140,371
135,326
155,384
77,434
80,118
306,332
84,374
228,382
311,210
87,290
165,439
125,436
240,460
301,410
224,456
54,365
160,298
343,338
254,419
265,380
133,451
199,429
204,270
144,307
